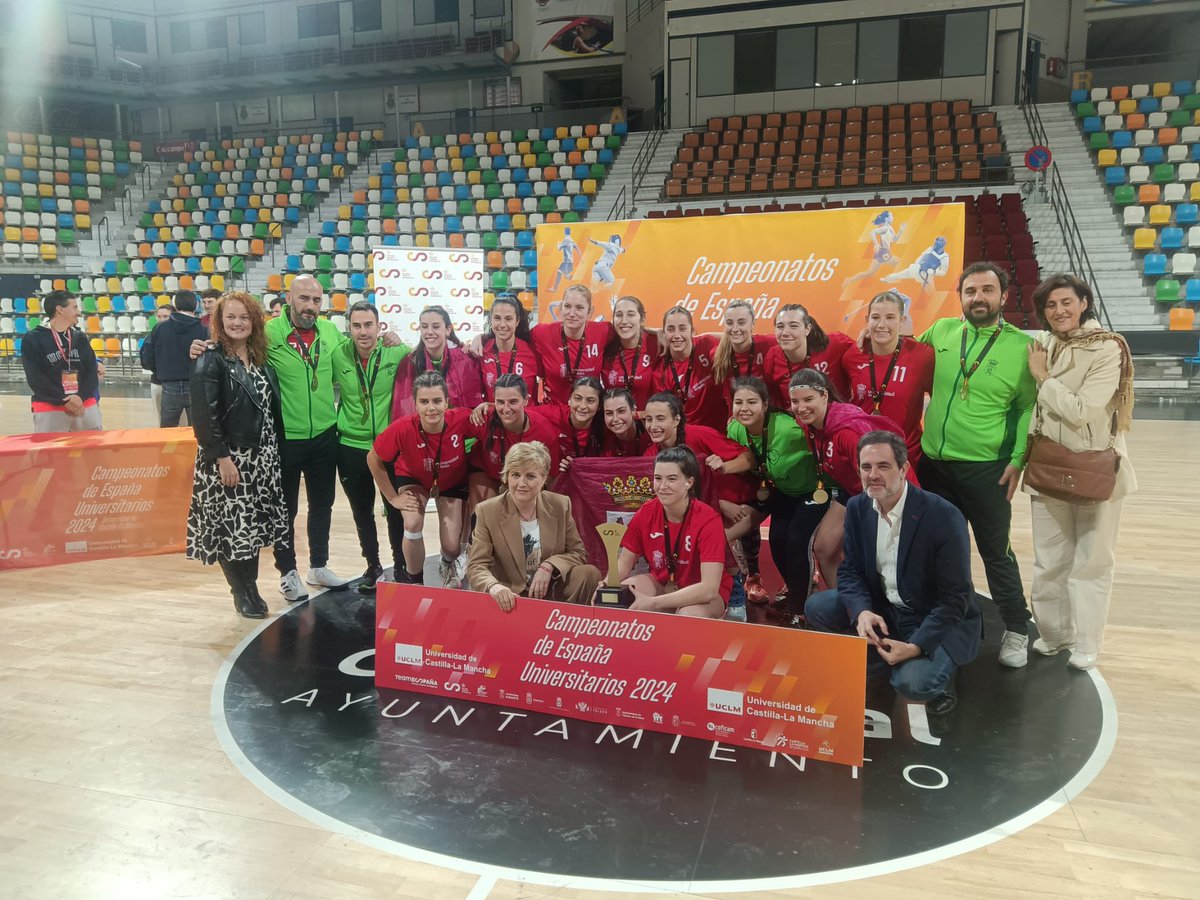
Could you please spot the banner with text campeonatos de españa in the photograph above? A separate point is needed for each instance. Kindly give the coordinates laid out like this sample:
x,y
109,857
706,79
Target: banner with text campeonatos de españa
x,y
796,692
832,261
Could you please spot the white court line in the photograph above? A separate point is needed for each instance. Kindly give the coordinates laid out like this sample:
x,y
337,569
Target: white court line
x,y
489,874
482,888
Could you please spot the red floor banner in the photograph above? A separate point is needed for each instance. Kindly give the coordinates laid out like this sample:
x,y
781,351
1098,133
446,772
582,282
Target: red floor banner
x,y
797,692
94,495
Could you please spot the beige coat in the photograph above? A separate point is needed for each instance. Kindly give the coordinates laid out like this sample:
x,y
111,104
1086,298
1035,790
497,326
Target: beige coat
x,y
1077,401
497,554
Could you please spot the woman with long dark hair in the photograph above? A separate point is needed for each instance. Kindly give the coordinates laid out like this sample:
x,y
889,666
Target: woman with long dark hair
x,y
439,350
579,426
833,429
682,541
510,422
632,354
237,491
801,343
685,369
786,473
506,347
624,433
888,373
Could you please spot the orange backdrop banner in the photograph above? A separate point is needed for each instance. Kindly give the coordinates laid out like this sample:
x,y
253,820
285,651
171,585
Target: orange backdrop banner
x,y
94,495
832,261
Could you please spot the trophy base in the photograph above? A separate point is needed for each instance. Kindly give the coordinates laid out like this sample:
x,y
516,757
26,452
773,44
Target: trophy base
x,y
619,596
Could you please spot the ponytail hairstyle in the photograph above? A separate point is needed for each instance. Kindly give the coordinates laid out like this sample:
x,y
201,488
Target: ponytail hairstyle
x,y
494,425
623,393
663,349
675,405
420,360
431,380
723,358
688,465
583,291
892,296
817,339
812,380
596,429
510,299
613,348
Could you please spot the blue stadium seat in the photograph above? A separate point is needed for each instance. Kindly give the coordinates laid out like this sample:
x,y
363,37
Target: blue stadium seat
x,y
193,265
533,280
529,259
1192,291
434,208
504,223
391,240
358,281
118,304
1154,264
1171,239
293,262
20,305
453,224
1148,105
524,189
1152,156
1079,95
343,244
329,229
1182,88
292,216
621,128
110,267
579,203
1187,214
1122,139
1115,175
1092,124
525,240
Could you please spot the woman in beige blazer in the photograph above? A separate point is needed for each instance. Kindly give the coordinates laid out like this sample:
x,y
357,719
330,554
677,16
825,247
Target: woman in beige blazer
x,y
525,542
1085,399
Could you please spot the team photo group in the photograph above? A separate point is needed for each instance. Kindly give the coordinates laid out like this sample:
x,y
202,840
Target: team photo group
x,y
867,455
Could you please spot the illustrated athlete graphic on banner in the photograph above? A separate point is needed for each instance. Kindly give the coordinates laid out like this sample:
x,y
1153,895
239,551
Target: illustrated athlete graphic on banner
x,y
883,235
571,254
935,261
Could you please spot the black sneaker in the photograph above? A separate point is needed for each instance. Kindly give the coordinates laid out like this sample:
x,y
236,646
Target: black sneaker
x,y
366,584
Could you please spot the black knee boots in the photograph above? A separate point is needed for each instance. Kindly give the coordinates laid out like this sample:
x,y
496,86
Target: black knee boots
x,y
242,575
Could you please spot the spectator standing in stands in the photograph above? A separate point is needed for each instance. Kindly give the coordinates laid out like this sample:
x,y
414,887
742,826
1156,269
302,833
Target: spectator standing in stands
x,y
905,580
365,372
276,309
208,301
61,370
165,354
1084,376
146,351
975,434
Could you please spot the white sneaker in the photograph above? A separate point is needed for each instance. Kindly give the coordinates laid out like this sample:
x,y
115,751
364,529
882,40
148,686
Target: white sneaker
x,y
1047,649
448,573
324,577
735,614
1082,661
1014,650
460,566
291,588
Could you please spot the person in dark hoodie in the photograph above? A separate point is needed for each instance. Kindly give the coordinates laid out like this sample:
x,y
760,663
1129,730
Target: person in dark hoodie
x,y
166,354
61,370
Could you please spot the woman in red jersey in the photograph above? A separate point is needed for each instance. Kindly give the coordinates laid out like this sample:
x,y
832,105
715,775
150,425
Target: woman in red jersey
x,y
506,348
632,354
624,433
685,369
682,541
740,351
507,423
440,351
578,426
833,429
427,452
802,344
888,373
571,348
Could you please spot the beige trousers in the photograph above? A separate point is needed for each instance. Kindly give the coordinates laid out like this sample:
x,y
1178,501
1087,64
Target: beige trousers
x,y
1074,556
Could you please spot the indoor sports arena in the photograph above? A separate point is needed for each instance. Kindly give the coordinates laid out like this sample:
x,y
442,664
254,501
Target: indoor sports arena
x,y
578,448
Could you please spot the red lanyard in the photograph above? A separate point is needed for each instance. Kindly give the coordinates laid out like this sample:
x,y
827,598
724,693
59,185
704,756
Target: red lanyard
x,y
437,461
877,393
65,353
671,548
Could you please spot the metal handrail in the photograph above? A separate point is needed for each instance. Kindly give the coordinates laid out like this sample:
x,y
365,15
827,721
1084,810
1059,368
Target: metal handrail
x,y
1060,202
103,227
641,165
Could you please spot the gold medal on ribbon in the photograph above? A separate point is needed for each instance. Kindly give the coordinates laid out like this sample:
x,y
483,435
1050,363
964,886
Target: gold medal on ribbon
x,y
820,495
763,492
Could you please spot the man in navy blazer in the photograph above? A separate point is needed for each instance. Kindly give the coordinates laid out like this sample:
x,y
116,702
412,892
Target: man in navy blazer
x,y
905,580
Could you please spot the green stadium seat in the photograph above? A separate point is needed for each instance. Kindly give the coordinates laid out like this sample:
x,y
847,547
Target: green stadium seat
x,y
1124,195
1166,290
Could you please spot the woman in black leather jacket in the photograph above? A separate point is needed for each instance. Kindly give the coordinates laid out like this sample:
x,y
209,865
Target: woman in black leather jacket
x,y
237,495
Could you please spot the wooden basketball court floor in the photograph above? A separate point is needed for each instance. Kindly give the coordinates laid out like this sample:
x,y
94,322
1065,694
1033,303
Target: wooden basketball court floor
x,y
112,782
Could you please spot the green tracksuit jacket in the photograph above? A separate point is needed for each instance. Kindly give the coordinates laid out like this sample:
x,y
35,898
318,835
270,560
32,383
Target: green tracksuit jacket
x,y
992,423
359,423
307,411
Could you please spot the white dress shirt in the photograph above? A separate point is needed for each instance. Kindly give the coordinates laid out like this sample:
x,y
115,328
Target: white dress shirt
x,y
887,547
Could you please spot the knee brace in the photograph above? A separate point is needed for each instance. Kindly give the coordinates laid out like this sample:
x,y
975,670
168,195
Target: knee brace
x,y
414,535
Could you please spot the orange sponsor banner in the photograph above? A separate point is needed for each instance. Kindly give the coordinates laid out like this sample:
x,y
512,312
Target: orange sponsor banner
x,y
94,495
832,261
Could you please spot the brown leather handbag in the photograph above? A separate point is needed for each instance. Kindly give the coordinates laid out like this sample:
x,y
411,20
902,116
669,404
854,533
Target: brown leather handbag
x,y
1082,477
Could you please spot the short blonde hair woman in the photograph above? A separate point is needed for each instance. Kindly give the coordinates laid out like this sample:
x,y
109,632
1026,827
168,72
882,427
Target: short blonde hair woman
x,y
525,542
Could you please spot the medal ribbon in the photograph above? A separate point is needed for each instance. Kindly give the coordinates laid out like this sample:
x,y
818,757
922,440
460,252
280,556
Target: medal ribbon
x,y
366,384
877,393
572,369
437,461
65,353
312,358
671,549
962,358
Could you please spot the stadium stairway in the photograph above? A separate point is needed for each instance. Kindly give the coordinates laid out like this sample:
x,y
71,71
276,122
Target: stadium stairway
x,y
274,260
622,175
1125,297
89,257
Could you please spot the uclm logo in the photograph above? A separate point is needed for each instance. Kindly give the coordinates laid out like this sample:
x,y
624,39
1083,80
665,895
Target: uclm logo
x,y
410,654
725,701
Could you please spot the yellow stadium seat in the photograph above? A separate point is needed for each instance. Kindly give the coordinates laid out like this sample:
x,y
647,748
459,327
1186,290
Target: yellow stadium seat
x,y
422,240
207,265
157,284
103,304
7,347
97,346
218,282
34,305
1161,88
49,252
1160,215
589,186
162,300
113,285
1106,157
1194,192
1145,239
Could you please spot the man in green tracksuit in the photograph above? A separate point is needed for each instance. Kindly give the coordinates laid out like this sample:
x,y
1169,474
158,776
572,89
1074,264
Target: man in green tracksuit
x,y
976,428
365,372
301,347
